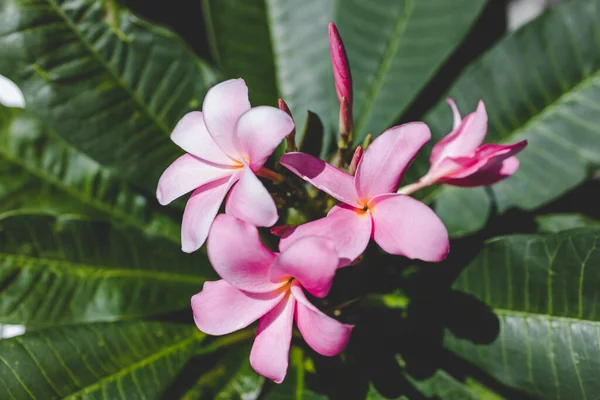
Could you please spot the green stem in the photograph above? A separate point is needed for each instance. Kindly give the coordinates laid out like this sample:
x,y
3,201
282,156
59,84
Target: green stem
x,y
413,187
228,340
271,175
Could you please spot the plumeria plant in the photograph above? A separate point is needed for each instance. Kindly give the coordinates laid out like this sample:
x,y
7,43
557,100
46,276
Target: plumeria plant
x,y
301,216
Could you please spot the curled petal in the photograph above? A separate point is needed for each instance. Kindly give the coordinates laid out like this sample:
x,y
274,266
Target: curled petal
x,y
311,260
349,228
200,211
463,140
191,135
223,105
383,164
220,308
457,119
259,132
249,200
322,333
271,348
186,174
238,255
407,227
323,176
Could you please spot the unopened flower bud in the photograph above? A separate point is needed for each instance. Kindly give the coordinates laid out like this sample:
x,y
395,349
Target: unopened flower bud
x,y
280,230
341,67
291,138
358,153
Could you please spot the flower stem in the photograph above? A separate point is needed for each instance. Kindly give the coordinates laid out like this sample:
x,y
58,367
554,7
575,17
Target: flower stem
x,y
228,340
413,187
271,175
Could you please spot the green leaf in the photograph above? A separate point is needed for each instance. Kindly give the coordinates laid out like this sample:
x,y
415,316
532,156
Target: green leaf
x,y
538,84
109,83
41,172
456,212
444,386
312,138
555,223
61,270
394,46
241,45
129,360
232,379
16,183
544,290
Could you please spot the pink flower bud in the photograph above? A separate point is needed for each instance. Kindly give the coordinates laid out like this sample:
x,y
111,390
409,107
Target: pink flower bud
x,y
284,107
291,138
358,153
280,230
341,67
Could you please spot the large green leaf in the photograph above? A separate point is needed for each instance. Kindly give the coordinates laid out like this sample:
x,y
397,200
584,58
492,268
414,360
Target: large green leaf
x,y
540,84
228,22
39,171
544,290
109,83
130,360
20,188
554,223
231,379
61,270
443,386
394,46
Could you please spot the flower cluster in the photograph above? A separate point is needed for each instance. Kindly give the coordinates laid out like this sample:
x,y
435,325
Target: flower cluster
x,y
227,145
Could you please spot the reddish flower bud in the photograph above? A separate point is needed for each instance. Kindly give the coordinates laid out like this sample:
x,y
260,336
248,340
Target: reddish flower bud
x,y
358,153
291,138
280,230
341,67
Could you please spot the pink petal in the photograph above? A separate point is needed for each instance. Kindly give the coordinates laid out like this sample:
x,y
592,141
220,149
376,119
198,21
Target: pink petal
x,y
349,228
323,176
200,211
457,119
270,352
322,333
223,105
385,160
220,308
192,136
238,255
259,132
407,227
463,140
186,174
311,260
249,200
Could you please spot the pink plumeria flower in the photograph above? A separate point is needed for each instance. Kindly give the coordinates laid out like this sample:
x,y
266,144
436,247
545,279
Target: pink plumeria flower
x,y
225,143
400,224
459,159
259,284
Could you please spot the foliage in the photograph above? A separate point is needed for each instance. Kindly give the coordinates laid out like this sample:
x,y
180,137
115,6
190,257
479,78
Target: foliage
x,y
92,266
